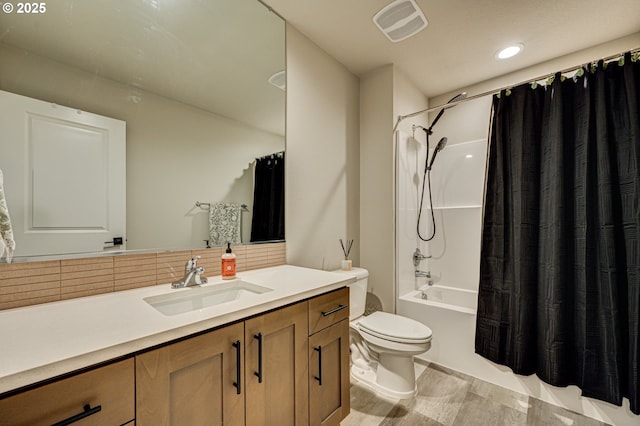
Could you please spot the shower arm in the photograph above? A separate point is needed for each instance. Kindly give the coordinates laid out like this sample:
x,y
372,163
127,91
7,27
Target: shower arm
x,y
430,129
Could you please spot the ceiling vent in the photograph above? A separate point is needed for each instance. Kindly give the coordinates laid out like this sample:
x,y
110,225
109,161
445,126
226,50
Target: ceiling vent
x,y
400,20
279,80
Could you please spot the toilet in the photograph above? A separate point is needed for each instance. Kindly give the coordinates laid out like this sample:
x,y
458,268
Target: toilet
x,y
383,344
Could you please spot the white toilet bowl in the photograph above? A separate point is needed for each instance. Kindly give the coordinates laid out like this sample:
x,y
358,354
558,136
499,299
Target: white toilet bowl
x,y
383,345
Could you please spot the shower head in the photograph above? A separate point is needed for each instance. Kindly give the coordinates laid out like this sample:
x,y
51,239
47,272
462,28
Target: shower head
x,y
439,147
456,98
441,144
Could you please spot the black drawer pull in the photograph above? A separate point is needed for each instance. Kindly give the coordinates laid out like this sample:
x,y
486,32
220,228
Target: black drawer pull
x,y
259,372
88,411
333,311
236,384
319,376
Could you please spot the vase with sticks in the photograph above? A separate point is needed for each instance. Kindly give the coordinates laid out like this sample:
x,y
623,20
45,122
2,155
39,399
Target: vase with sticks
x,y
346,249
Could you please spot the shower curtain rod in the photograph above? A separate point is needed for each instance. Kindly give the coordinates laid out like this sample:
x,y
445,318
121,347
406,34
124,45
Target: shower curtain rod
x,y
494,91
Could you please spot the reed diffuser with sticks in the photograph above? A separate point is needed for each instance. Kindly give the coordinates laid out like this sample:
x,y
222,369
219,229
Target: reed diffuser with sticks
x,y
346,249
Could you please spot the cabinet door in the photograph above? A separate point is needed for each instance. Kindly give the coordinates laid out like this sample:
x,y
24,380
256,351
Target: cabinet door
x,y
329,375
100,396
277,367
193,382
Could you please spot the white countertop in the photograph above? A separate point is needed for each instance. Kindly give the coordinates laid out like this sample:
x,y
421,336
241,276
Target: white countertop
x,y
44,341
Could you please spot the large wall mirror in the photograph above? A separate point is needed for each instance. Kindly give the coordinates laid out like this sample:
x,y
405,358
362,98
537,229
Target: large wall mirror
x,y
199,83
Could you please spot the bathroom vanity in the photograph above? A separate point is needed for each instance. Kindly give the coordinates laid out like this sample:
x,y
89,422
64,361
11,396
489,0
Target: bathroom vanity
x,y
278,356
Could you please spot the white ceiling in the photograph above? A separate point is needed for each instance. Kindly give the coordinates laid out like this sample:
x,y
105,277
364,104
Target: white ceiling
x,y
458,46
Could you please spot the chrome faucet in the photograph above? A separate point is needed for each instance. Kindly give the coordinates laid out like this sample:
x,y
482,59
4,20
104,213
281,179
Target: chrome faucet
x,y
192,274
426,274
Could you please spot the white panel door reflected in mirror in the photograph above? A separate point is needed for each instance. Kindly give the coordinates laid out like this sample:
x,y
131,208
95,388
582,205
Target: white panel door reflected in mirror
x,y
71,165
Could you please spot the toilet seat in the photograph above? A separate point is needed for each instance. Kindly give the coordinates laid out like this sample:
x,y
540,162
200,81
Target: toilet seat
x,y
395,328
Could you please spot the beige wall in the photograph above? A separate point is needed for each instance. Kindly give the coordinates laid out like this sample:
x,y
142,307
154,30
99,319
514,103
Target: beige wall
x,y
376,182
385,93
176,154
322,176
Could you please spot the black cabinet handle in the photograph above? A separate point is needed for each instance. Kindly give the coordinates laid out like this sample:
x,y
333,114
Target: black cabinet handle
x,y
236,384
88,411
259,372
333,311
319,376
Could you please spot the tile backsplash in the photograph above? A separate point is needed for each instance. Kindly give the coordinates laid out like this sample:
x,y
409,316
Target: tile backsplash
x,y
32,283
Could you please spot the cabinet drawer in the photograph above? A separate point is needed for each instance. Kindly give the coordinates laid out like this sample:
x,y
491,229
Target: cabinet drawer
x,y
328,309
110,387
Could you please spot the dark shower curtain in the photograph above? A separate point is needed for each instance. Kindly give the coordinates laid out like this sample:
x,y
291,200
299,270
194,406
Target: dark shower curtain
x,y
560,262
267,223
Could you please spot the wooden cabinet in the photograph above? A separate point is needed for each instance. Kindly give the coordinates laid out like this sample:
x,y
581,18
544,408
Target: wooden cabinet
x,y
197,381
329,358
277,367
104,395
289,366
289,377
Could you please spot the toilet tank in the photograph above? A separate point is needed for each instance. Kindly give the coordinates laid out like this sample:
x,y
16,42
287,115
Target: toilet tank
x,y
357,292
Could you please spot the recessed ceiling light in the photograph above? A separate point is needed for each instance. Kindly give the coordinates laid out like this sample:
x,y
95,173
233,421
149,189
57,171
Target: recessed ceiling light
x,y
509,51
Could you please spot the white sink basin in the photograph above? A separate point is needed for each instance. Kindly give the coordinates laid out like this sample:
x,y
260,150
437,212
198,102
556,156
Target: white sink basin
x,y
194,298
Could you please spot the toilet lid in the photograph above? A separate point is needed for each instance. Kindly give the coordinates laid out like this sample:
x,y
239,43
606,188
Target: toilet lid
x,y
395,328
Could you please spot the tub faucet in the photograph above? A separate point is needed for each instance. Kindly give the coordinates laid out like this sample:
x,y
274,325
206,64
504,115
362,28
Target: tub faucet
x,y
426,274
192,274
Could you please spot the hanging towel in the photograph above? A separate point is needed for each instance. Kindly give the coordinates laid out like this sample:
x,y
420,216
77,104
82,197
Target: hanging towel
x,y
224,223
7,243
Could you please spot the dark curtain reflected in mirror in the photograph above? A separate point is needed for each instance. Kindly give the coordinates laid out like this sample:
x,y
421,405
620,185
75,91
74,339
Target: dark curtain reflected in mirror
x,y
268,199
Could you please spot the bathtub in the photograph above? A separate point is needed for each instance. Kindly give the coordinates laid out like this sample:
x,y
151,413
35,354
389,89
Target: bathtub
x,y
456,299
451,314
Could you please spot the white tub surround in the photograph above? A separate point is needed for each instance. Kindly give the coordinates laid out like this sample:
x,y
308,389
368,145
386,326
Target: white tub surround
x,y
45,341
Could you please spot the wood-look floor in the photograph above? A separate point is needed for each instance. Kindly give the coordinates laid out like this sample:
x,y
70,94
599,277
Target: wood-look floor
x,y
447,397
